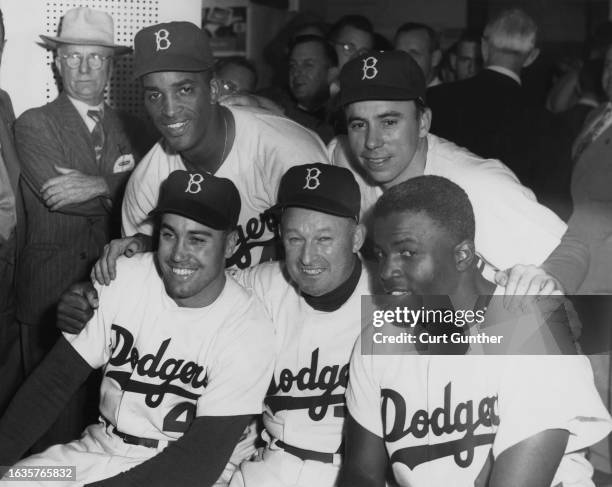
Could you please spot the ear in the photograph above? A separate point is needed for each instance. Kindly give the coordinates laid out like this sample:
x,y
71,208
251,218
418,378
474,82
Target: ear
x,y
465,255
359,235
111,70
531,57
332,74
215,90
231,241
436,57
58,64
484,49
452,59
424,123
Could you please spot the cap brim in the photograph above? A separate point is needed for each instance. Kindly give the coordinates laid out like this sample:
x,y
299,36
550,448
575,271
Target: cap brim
x,y
171,63
317,204
380,92
196,212
55,42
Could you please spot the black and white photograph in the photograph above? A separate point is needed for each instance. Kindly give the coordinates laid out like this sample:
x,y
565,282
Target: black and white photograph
x,y
305,243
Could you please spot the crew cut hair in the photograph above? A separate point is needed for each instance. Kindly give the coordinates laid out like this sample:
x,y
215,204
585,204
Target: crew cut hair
x,y
441,199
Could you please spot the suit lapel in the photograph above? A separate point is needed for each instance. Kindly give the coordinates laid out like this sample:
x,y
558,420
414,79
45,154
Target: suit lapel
x,y
79,137
9,154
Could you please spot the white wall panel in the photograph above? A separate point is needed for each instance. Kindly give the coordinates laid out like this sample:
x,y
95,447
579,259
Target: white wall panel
x,y
26,71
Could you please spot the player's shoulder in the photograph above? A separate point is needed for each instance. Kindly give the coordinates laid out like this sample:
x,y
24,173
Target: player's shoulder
x,y
444,158
134,275
245,318
259,122
158,159
139,267
243,301
271,274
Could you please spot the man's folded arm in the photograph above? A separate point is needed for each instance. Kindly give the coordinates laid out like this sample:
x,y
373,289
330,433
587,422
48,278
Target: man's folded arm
x,y
39,152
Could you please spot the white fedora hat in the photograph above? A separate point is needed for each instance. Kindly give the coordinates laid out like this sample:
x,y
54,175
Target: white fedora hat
x,y
85,26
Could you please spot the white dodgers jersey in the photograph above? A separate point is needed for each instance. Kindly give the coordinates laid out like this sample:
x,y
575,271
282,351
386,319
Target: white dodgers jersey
x,y
444,419
305,404
165,365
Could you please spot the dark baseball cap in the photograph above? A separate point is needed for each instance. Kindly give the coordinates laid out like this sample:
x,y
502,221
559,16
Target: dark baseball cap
x,y
382,75
172,46
201,197
321,187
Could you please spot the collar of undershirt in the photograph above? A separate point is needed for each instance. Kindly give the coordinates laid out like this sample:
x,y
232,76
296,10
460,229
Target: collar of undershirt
x,y
333,300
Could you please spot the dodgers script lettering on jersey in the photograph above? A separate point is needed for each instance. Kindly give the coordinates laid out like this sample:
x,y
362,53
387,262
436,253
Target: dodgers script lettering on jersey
x,y
324,382
249,238
472,418
180,379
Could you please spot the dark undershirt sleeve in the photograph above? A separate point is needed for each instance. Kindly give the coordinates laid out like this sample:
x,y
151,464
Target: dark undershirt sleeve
x,y
39,401
197,459
569,262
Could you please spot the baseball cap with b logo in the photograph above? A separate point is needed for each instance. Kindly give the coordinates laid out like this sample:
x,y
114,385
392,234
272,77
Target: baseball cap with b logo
x,y
172,46
382,75
201,197
321,187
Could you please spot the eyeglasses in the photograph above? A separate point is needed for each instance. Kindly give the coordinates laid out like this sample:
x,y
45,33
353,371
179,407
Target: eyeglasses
x,y
227,87
347,47
94,60
351,49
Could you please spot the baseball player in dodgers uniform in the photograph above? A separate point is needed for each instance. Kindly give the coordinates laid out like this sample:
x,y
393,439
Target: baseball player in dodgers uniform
x,y
251,147
187,356
314,300
388,141
461,419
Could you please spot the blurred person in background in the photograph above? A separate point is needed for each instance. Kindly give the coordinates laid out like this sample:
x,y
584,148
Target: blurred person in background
x,y
422,43
236,74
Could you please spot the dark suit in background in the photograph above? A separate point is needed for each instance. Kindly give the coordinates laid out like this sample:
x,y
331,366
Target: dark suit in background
x,y
61,246
493,117
11,374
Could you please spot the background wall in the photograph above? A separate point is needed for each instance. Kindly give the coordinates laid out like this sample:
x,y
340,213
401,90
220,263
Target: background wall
x,y
26,66
387,15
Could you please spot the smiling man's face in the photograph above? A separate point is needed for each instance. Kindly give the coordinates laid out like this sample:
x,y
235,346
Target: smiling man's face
x,y
191,259
319,249
179,104
415,254
385,136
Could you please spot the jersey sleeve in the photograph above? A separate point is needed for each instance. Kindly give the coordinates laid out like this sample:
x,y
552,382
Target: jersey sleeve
x,y
511,226
363,391
240,374
538,393
261,279
141,194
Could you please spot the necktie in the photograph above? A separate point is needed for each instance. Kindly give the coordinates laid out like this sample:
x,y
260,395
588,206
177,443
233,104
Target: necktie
x,y
97,133
595,130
